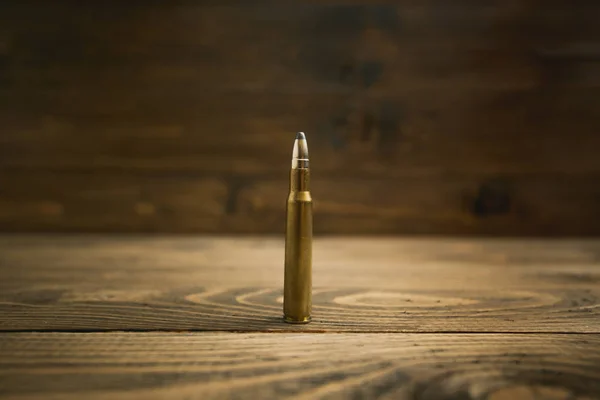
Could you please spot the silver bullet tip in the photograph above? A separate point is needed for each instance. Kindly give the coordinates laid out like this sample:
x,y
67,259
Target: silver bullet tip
x,y
300,152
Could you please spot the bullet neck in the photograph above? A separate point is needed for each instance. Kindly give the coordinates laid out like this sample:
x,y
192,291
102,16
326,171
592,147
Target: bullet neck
x,y
299,180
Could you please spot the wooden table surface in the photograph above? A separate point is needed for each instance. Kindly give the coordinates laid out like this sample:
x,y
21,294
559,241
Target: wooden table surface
x,y
125,317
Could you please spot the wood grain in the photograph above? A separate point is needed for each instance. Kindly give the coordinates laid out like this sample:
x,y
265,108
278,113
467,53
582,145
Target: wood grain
x,y
257,309
177,203
431,104
219,366
393,318
360,285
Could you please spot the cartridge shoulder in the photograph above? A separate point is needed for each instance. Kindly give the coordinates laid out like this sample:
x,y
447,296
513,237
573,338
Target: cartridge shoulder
x,y
300,197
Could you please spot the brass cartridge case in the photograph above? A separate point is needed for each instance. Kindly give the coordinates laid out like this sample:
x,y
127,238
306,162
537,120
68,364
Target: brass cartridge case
x,y
297,295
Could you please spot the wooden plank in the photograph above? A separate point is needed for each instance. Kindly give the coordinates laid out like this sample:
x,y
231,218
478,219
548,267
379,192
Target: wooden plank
x,y
232,42
383,137
80,202
347,203
360,285
462,94
443,205
290,365
432,87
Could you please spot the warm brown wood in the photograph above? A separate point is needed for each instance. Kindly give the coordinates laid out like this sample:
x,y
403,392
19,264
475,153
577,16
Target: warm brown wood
x,y
360,285
171,202
246,138
337,366
242,309
454,117
115,202
393,318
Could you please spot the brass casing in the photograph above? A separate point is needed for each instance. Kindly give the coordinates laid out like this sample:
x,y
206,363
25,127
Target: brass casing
x,y
297,294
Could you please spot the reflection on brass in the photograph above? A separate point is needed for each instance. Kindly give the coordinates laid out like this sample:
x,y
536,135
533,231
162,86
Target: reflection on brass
x,y
297,296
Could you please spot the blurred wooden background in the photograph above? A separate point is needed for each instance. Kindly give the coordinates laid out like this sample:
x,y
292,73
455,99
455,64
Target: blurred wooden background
x,y
433,116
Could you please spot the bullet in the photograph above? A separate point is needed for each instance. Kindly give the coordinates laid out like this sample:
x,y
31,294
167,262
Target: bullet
x,y
297,291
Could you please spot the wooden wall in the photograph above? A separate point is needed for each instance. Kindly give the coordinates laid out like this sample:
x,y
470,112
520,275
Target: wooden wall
x,y
432,116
